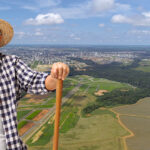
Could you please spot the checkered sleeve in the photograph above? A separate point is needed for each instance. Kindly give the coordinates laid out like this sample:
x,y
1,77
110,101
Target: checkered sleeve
x,y
29,80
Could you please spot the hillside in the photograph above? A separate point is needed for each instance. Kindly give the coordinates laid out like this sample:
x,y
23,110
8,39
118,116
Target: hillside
x,y
97,130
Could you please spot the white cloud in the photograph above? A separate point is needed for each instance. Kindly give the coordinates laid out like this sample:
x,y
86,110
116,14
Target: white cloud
x,y
136,20
101,25
74,37
122,7
121,19
30,7
39,4
38,33
47,3
90,8
102,5
45,19
146,14
34,33
140,32
20,35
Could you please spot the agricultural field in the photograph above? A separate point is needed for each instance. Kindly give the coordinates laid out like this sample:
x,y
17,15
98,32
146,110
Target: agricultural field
x,y
144,65
98,130
136,118
42,67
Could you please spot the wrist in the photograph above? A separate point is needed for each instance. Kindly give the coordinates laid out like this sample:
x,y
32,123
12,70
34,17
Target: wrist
x,y
50,83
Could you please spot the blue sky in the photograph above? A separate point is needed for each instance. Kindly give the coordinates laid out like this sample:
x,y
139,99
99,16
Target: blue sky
x,y
99,22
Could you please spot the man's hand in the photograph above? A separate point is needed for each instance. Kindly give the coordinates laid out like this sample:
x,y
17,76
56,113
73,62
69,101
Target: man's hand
x,y
59,71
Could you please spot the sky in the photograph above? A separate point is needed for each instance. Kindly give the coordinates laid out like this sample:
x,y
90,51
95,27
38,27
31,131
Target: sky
x,y
96,22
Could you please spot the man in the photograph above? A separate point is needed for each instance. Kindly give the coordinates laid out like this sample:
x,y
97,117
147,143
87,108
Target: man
x,y
16,76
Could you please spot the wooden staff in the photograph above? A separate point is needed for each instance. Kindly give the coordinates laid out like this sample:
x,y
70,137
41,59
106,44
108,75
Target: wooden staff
x,y
57,114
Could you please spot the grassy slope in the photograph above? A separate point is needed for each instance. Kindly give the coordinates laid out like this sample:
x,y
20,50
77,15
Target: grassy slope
x,y
99,131
96,132
136,118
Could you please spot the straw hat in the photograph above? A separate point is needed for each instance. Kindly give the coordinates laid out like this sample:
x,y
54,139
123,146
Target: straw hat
x,y
6,31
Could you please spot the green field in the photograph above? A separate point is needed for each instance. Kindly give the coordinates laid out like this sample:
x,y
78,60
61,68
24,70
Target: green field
x,y
99,130
22,123
144,65
136,117
21,114
32,115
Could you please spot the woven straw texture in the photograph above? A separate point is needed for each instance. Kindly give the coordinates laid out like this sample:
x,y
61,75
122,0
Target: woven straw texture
x,y
7,32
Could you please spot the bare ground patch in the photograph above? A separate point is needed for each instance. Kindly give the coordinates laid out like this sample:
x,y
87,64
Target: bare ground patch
x,y
100,92
25,128
41,115
35,101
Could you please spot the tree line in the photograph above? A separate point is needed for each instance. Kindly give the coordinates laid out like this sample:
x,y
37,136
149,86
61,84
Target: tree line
x,y
120,73
117,97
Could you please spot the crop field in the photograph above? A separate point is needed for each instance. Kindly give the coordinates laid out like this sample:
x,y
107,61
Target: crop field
x,y
32,115
21,114
42,67
144,65
97,131
34,108
136,118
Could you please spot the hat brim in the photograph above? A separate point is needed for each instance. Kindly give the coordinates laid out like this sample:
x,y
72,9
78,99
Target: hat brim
x,y
7,32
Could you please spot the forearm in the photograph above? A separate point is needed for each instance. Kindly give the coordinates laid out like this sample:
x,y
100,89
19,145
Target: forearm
x,y
50,83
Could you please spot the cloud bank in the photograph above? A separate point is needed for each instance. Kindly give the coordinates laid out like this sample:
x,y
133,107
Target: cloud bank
x,y
45,19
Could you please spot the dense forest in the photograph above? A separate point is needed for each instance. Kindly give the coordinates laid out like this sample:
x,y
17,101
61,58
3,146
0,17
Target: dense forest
x,y
121,73
116,72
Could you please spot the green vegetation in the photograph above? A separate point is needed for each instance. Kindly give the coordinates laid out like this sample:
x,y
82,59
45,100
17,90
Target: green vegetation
x,y
103,112
99,131
116,72
47,133
68,85
136,118
21,124
117,97
66,90
35,113
144,65
84,123
70,121
34,64
50,103
24,99
21,114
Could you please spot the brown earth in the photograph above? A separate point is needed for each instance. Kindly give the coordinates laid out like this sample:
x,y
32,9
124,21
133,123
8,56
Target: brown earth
x,y
37,96
100,92
25,128
35,101
41,115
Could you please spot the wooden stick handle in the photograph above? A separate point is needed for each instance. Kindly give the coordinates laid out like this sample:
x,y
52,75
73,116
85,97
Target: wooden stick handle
x,y
57,115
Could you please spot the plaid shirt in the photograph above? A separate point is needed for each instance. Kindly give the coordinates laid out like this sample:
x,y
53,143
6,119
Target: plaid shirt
x,y
15,77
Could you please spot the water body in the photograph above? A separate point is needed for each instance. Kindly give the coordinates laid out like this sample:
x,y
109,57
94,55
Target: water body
x,y
136,117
